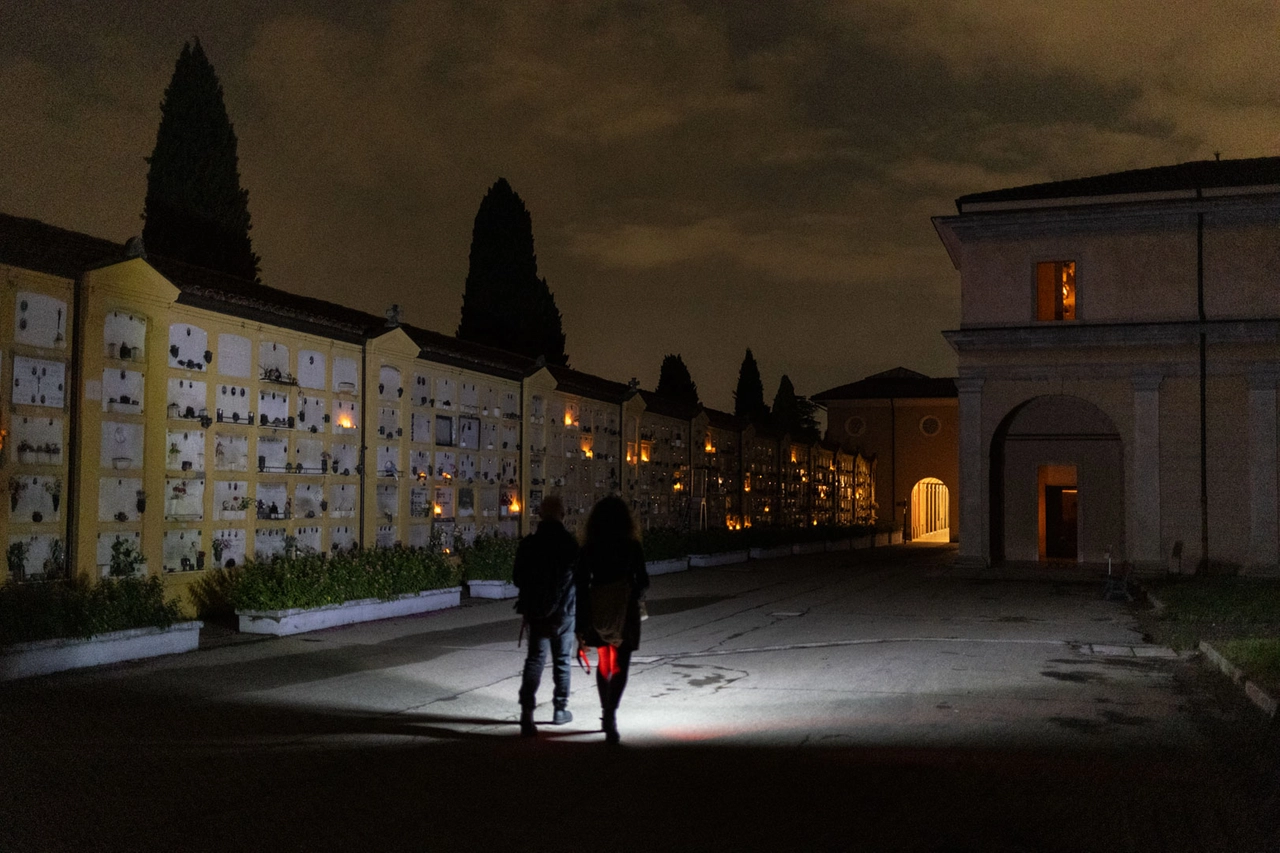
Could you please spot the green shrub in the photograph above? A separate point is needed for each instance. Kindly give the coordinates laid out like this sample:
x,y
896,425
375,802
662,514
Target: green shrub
x,y
491,557
665,543
715,541
1259,657
211,594
79,609
314,580
1219,600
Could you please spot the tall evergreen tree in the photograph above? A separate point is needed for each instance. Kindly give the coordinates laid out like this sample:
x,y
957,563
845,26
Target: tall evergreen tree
x,y
195,210
504,303
748,399
793,414
786,414
674,381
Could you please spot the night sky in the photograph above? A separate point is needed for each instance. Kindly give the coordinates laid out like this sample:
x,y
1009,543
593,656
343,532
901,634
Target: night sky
x,y
703,176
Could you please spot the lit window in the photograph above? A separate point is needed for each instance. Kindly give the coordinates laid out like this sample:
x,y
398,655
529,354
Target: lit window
x,y
1056,290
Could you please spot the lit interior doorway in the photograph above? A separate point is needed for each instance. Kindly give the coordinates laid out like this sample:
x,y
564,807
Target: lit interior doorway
x,y
1059,512
930,508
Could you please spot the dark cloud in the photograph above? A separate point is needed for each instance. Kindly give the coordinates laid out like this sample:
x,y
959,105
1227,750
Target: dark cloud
x,y
703,176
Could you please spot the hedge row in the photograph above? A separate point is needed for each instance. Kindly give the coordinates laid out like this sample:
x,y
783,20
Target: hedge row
x,y
315,580
81,608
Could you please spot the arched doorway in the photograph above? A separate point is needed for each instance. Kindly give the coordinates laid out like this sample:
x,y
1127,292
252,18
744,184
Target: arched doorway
x,y
1057,483
930,511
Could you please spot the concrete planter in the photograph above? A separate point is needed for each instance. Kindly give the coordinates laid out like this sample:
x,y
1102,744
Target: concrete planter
x,y
862,542
666,567
839,545
44,656
881,539
771,552
296,621
809,548
723,558
492,589
895,538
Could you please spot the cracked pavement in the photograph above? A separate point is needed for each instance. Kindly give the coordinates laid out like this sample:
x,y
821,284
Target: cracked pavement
x,y
876,700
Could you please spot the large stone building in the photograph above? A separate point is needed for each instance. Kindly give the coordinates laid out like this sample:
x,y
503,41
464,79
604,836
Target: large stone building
x,y
1118,352
202,420
909,424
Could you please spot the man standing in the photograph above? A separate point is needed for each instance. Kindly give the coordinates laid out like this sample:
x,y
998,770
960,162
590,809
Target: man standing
x,y
544,574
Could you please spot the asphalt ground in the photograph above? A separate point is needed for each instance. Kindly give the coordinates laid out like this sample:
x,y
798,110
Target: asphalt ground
x,y
868,700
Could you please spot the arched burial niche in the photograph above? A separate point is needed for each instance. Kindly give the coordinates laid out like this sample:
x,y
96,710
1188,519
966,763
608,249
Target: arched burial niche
x,y
930,507
1057,483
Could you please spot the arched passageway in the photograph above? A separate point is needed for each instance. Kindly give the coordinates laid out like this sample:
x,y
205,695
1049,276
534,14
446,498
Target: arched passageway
x,y
1057,483
930,511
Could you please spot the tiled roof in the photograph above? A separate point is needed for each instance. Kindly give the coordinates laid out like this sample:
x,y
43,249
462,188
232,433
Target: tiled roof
x,y
33,245
670,408
447,349
898,383
576,382
723,420
1197,174
227,294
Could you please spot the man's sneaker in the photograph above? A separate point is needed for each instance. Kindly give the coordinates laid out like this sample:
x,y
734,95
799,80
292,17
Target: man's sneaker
x,y
562,716
527,728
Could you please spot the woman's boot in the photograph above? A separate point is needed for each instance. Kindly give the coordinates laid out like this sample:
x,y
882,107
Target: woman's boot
x,y
609,723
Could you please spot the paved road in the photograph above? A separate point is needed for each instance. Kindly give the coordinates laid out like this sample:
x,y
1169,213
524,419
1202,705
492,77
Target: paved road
x,y
874,700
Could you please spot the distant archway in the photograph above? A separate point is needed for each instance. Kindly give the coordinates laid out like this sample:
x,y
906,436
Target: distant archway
x,y
930,511
1057,483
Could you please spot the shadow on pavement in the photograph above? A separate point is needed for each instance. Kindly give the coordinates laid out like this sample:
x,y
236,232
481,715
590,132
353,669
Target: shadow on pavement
x,y
142,772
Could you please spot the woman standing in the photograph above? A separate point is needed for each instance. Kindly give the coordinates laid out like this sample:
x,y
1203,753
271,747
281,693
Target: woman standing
x,y
611,580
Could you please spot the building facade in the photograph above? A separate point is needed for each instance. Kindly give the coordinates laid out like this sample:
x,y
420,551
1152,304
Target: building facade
x,y
909,423
1118,352
168,419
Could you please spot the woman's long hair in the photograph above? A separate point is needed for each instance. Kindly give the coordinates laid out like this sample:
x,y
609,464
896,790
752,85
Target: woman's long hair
x,y
610,525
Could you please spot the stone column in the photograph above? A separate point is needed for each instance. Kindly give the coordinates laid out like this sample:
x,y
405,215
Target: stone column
x,y
1263,548
1143,500
975,549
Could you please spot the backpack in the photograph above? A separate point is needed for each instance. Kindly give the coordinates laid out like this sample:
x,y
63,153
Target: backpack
x,y
540,601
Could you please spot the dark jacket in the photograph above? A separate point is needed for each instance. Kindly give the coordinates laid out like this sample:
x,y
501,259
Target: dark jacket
x,y
548,555
601,566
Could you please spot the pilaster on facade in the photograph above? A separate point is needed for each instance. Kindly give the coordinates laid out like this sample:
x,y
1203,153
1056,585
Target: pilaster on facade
x,y
1264,532
975,547
1143,509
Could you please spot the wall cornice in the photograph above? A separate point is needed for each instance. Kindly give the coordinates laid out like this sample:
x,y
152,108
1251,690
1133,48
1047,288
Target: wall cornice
x,y
1117,335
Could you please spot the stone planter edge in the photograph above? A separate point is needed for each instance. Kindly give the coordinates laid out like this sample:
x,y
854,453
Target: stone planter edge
x,y
666,567
722,558
492,589
282,623
43,657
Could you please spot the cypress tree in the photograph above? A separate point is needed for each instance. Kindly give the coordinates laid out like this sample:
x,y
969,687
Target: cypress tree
x,y
786,415
748,399
675,382
504,303
793,414
195,210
